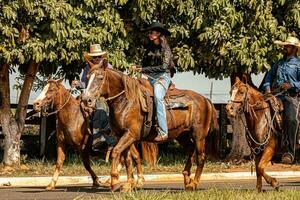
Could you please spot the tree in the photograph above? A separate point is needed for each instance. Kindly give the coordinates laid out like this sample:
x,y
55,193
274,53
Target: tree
x,y
43,35
238,36
219,38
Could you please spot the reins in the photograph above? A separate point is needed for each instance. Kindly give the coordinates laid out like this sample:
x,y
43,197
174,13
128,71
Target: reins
x,y
250,108
46,114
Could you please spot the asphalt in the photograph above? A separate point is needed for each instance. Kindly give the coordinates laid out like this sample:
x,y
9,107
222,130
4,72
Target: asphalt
x,y
71,180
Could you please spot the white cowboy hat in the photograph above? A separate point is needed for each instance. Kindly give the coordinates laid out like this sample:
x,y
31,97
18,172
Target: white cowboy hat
x,y
289,41
95,50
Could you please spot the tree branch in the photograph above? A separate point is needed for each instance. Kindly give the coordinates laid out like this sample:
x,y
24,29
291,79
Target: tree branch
x,y
31,72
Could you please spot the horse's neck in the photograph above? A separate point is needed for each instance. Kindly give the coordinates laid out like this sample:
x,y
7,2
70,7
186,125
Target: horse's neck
x,y
256,116
66,104
114,84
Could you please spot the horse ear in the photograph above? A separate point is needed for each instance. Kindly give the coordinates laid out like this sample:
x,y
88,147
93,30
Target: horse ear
x,y
59,81
245,78
237,79
104,63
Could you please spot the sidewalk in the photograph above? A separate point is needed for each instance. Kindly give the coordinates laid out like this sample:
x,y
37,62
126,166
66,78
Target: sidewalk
x,y
71,180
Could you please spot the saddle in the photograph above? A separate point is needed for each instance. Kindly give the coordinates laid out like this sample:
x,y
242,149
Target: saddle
x,y
174,99
276,106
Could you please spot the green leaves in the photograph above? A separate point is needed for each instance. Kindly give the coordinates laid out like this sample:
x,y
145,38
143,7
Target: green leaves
x,y
216,37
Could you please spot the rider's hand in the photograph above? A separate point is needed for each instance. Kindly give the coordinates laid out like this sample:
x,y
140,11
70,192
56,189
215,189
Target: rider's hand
x,y
268,91
75,83
285,86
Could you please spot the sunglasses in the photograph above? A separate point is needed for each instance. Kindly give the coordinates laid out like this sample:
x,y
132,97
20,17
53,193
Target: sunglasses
x,y
95,57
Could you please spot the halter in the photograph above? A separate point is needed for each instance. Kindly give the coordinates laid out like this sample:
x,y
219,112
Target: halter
x,y
98,89
46,114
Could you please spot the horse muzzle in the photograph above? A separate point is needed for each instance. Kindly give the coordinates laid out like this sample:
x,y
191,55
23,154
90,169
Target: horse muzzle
x,y
88,101
230,110
37,106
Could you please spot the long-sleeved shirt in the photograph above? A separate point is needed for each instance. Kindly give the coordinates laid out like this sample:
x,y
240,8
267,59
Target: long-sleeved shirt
x,y
284,70
156,60
83,83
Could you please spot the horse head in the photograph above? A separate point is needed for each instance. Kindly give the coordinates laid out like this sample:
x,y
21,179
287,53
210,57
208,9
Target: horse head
x,y
238,98
95,86
48,95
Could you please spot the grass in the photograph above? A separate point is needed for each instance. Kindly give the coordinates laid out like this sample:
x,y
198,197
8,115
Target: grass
x,y
73,166
210,194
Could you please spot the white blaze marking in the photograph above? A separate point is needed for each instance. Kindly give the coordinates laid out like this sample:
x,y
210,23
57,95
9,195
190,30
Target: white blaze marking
x,y
89,83
43,94
233,93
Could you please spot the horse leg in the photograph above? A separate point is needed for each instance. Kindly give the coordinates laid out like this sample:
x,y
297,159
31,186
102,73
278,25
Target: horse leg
x,y
266,157
109,149
125,141
200,158
85,156
258,174
188,146
59,162
128,164
136,156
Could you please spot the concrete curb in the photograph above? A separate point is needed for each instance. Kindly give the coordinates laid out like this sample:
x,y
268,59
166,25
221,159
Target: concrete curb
x,y
73,180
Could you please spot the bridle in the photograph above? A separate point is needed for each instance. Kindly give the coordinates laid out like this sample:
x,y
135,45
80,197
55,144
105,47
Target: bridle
x,y
244,102
99,88
44,111
247,107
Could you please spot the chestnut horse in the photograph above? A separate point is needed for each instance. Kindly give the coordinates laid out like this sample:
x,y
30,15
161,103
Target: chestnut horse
x,y
72,129
189,127
260,129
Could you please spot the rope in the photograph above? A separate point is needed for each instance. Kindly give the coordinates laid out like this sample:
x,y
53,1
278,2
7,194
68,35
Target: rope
x,y
56,111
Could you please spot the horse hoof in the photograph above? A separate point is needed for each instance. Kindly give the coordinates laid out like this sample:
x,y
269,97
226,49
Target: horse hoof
x,y
275,184
140,183
127,187
190,187
115,187
50,188
98,183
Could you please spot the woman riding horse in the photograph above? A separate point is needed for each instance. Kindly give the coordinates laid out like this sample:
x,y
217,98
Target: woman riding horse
x,y
158,64
189,125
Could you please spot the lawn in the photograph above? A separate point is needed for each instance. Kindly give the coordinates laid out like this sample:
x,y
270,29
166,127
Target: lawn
x,y
210,194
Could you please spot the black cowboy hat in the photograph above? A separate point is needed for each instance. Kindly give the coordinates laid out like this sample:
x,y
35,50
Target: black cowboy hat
x,y
156,26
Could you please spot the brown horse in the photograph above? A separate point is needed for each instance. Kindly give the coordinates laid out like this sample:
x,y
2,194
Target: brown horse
x,y
260,129
72,129
189,127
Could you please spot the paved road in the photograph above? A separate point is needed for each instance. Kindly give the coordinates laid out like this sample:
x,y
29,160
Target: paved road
x,y
85,191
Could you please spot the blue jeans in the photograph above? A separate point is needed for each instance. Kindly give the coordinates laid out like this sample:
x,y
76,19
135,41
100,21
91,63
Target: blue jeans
x,y
291,105
160,87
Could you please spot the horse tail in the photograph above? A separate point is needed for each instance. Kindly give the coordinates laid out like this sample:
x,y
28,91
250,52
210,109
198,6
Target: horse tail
x,y
150,152
213,138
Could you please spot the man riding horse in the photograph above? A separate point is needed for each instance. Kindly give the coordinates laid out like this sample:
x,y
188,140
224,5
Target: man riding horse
x,y
99,123
284,75
158,64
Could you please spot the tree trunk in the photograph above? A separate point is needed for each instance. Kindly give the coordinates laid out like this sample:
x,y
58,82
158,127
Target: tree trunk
x,y
239,145
12,126
9,126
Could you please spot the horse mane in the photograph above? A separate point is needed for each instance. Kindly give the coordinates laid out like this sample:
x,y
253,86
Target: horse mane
x,y
131,87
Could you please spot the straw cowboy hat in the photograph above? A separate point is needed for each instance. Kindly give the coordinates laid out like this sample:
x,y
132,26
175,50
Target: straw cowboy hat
x,y
95,50
293,41
156,26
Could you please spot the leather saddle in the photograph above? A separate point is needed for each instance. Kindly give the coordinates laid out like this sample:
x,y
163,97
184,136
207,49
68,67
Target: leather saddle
x,y
174,99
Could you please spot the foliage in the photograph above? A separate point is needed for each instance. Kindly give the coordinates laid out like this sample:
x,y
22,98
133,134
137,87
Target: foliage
x,y
216,37
238,35
56,32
